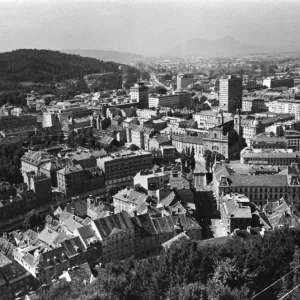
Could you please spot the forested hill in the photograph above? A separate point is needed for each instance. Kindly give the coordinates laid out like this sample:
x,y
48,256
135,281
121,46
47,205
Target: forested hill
x,y
48,66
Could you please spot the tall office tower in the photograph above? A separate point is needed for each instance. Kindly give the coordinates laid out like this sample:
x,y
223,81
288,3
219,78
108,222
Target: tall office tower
x,y
231,93
140,93
183,80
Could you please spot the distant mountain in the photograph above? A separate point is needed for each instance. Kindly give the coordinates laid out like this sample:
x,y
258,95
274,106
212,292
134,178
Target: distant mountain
x,y
50,66
106,55
226,46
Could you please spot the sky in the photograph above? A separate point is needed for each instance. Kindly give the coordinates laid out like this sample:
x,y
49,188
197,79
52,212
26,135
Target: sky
x,y
145,26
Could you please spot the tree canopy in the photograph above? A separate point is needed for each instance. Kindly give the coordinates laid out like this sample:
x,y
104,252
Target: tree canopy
x,y
236,270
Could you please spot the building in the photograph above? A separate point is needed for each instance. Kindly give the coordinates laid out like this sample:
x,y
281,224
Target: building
x,y
152,180
168,153
139,92
184,98
275,157
73,180
278,82
170,100
117,234
15,281
121,167
183,80
137,137
254,105
285,106
265,141
292,139
157,141
231,92
147,113
235,212
32,160
40,184
128,199
224,139
183,142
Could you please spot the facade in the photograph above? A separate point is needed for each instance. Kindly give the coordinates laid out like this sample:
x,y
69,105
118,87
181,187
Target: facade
x,y
170,100
285,106
182,142
224,139
139,92
253,105
261,184
117,235
40,184
73,180
292,139
264,141
277,157
151,179
183,80
14,279
168,153
184,98
137,137
121,167
146,113
251,128
231,90
278,82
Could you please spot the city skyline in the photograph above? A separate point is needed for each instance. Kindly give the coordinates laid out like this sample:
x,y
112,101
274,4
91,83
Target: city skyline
x,y
148,27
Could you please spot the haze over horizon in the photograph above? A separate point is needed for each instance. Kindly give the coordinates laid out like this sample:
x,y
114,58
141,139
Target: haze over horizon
x,y
146,27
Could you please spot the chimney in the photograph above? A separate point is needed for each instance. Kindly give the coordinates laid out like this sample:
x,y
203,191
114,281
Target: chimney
x,y
73,210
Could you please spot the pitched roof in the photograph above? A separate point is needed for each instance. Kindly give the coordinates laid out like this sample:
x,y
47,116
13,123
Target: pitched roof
x,y
261,180
73,246
175,240
145,223
106,225
166,224
131,196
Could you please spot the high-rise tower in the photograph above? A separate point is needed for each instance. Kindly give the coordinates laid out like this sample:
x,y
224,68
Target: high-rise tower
x,y
231,93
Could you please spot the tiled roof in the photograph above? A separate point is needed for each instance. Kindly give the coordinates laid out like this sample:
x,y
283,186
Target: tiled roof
x,y
6,247
73,246
188,139
166,224
106,140
4,260
12,271
87,233
175,240
107,224
72,224
48,236
261,180
145,223
70,169
161,139
131,196
166,201
280,210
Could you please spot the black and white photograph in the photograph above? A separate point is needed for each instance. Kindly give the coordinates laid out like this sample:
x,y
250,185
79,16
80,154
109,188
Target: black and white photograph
x,y
149,150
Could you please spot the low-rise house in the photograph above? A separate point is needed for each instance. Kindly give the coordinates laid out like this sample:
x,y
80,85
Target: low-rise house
x,y
235,212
